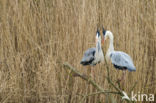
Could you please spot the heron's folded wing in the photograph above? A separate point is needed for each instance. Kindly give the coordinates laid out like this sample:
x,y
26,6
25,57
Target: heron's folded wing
x,y
89,55
123,60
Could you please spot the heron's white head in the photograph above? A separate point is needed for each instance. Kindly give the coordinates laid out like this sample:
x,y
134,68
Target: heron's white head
x,y
98,37
107,34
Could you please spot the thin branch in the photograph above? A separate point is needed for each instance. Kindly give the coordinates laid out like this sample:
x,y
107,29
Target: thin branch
x,y
107,67
110,81
85,77
94,84
133,86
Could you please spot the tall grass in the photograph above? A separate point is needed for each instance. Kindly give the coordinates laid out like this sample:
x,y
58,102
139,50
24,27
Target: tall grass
x,y
37,36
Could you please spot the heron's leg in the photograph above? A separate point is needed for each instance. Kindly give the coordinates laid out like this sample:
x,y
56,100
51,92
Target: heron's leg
x,y
124,73
88,86
121,80
92,72
122,77
89,71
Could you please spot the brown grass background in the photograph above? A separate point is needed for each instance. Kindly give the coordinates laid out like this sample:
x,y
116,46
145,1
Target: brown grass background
x,y
38,36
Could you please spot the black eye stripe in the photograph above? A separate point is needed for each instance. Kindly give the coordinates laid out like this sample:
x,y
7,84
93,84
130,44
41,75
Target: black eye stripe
x,y
104,31
98,33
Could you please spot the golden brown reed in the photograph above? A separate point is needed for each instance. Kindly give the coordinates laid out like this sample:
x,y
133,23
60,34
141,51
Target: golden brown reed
x,y
38,36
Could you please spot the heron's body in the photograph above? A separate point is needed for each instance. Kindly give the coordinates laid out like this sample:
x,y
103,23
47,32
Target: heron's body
x,y
89,57
94,55
122,61
119,59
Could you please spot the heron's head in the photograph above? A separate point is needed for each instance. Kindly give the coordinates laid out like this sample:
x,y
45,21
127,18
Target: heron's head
x,y
104,35
107,34
98,37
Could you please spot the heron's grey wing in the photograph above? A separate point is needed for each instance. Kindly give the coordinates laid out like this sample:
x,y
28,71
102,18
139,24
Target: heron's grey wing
x,y
88,56
122,60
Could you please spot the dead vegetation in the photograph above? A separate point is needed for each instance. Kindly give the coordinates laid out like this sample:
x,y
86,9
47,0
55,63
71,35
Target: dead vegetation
x,y
38,36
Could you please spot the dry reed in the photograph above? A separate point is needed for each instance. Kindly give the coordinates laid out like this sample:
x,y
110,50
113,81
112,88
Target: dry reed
x,y
37,36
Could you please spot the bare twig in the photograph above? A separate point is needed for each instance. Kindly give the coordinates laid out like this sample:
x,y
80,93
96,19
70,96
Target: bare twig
x,y
110,81
133,86
85,77
94,84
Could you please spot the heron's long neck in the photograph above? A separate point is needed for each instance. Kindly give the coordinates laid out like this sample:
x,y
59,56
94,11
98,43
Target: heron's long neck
x,y
98,46
111,47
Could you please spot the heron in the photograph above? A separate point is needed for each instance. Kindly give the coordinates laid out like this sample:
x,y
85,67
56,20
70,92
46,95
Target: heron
x,y
94,55
120,60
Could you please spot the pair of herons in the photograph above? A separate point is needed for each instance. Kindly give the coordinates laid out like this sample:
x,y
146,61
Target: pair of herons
x,y
120,60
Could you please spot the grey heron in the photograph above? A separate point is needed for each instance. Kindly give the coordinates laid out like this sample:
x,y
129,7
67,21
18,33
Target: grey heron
x,y
119,59
94,55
